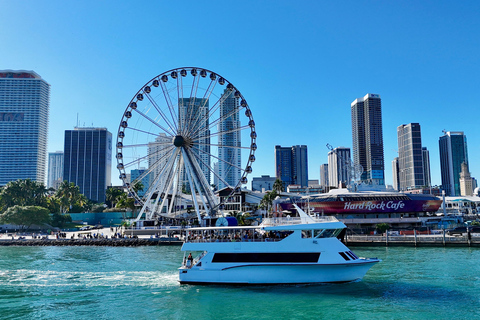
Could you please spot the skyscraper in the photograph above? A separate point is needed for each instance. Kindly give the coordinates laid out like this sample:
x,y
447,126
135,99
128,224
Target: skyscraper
x,y
157,159
453,152
466,181
195,112
367,136
426,167
339,166
410,156
55,169
395,174
230,159
324,175
88,161
291,165
24,109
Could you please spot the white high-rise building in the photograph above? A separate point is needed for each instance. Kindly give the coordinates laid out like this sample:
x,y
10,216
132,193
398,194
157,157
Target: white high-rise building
x,y
157,158
230,158
338,166
24,111
55,169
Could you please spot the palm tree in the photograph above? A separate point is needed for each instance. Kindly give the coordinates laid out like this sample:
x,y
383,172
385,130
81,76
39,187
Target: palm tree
x,y
68,193
112,195
278,186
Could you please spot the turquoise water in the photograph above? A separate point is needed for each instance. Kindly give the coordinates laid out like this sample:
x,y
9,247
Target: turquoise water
x,y
141,283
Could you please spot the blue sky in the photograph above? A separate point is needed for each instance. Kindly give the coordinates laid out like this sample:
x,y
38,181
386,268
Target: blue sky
x,y
299,64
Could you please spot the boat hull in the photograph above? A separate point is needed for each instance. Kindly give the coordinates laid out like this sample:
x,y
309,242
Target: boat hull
x,y
277,273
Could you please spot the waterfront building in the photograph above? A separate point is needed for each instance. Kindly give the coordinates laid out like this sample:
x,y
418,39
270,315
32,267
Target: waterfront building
x,y
55,169
324,175
263,183
426,167
88,160
466,181
395,173
367,136
229,151
291,165
339,166
410,156
453,152
24,112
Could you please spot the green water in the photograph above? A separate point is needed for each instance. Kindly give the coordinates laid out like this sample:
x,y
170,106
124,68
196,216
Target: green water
x,y
141,283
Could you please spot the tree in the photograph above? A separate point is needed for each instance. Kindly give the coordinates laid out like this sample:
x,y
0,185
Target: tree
x,y
23,193
278,186
25,216
59,220
112,195
68,194
267,200
382,227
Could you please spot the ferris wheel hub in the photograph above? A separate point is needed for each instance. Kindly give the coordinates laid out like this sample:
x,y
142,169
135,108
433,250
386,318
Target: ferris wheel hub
x,y
178,141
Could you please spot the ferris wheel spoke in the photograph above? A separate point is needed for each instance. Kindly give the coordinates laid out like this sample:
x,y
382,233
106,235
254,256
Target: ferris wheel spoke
x,y
170,105
223,132
205,99
155,105
138,160
197,125
213,156
147,144
143,131
155,123
221,146
213,171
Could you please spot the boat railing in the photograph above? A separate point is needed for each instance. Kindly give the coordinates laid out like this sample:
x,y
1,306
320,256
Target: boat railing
x,y
277,221
250,239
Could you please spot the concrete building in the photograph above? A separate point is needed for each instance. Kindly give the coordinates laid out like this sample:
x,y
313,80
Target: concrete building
x,y
324,182
55,169
291,165
88,160
466,181
263,183
453,152
367,136
230,156
410,157
24,112
339,167
426,167
395,173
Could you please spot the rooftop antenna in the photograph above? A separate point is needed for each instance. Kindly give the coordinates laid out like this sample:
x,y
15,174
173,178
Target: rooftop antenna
x,y
77,119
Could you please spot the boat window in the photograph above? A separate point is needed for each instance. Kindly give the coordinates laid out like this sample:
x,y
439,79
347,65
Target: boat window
x,y
344,256
316,233
276,257
329,233
350,255
306,233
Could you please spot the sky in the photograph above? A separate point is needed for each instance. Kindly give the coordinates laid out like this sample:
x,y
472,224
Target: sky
x,y
299,64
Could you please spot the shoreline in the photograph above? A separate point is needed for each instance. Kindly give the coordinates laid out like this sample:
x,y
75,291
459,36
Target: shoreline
x,y
122,242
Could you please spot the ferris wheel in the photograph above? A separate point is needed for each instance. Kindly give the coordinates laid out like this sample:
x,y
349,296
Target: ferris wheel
x,y
186,133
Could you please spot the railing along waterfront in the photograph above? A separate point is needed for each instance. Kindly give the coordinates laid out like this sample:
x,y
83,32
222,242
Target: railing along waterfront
x,y
415,240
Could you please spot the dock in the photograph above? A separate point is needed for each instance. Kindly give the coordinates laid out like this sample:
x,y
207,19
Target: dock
x,y
431,240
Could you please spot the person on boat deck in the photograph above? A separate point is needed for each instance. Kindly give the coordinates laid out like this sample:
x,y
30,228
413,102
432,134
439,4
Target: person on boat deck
x,y
189,260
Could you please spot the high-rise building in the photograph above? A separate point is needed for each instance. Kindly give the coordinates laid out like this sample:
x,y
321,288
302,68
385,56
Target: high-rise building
x,y
88,161
55,169
453,152
395,174
410,156
195,111
339,167
157,160
291,165
324,175
141,175
367,136
426,167
24,109
466,181
229,151
263,183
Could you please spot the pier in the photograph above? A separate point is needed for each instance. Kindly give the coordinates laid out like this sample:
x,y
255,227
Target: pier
x,y
415,240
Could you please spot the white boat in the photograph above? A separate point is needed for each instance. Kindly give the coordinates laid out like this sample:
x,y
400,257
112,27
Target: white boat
x,y
301,250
